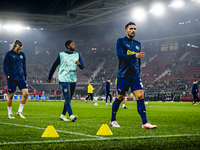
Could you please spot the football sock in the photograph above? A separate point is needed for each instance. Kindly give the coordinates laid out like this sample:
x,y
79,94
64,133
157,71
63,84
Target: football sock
x,y
123,105
21,106
142,110
64,110
9,110
115,108
67,106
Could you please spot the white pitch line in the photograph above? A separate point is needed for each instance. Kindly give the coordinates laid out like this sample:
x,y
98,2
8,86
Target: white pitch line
x,y
56,130
99,139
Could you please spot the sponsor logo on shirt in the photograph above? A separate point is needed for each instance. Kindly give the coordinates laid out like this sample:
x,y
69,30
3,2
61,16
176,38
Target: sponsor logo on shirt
x,y
130,52
127,45
69,68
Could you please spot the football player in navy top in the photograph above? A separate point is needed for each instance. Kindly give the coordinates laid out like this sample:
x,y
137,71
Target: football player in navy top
x,y
14,66
108,93
129,55
195,90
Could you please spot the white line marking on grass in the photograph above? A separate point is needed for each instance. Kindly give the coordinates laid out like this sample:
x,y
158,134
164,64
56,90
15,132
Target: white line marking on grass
x,y
99,139
56,130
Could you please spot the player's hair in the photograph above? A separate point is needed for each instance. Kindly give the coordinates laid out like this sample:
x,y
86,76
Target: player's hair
x,y
130,23
194,80
68,43
14,45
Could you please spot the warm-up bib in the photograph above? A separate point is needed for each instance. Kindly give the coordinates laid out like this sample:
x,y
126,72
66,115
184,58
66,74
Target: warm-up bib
x,y
68,68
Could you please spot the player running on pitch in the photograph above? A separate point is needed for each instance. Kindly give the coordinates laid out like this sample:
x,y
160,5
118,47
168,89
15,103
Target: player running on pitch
x,y
14,66
68,62
129,54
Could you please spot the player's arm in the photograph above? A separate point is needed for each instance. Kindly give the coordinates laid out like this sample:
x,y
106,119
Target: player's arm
x,y
5,67
139,61
80,63
24,67
53,68
122,56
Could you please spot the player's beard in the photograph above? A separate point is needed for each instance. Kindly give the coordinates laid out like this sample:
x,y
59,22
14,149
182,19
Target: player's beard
x,y
72,49
131,36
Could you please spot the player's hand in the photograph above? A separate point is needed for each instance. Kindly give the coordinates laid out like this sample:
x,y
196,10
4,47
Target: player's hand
x,y
9,78
48,80
77,62
140,55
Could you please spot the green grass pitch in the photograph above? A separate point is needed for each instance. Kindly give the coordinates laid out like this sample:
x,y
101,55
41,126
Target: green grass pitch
x,y
178,127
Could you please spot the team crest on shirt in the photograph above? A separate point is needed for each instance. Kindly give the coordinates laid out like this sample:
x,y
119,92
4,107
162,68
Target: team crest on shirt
x,y
137,47
65,90
21,56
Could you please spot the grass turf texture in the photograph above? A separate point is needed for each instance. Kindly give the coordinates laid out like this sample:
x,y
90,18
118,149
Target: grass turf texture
x,y
178,127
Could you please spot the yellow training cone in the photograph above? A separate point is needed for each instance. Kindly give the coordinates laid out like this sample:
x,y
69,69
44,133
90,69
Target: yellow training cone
x,y
50,132
104,130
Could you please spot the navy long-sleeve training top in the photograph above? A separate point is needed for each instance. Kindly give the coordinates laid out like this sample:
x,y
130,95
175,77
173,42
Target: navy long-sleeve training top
x,y
195,88
14,65
129,65
107,87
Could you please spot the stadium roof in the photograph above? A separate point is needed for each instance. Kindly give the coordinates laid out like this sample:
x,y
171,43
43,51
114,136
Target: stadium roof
x,y
62,14
76,13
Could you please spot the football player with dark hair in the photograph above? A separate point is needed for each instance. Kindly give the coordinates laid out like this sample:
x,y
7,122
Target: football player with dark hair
x,y
108,93
69,62
195,90
129,55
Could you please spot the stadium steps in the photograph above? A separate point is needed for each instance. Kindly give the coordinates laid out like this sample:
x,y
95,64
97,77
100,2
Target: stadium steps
x,y
96,72
163,74
183,56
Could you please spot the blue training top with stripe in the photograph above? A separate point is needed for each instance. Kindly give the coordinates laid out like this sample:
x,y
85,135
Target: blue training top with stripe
x,y
14,65
129,65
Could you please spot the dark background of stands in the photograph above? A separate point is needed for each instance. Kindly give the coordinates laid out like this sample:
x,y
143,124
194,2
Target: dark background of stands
x,y
172,50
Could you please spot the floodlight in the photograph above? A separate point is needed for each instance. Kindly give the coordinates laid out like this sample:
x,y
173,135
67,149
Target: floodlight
x,y
177,4
16,27
7,27
157,9
26,28
139,14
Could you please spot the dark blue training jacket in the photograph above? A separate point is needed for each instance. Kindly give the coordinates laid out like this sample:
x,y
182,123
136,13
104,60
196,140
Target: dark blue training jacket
x,y
129,65
14,65
195,88
107,87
